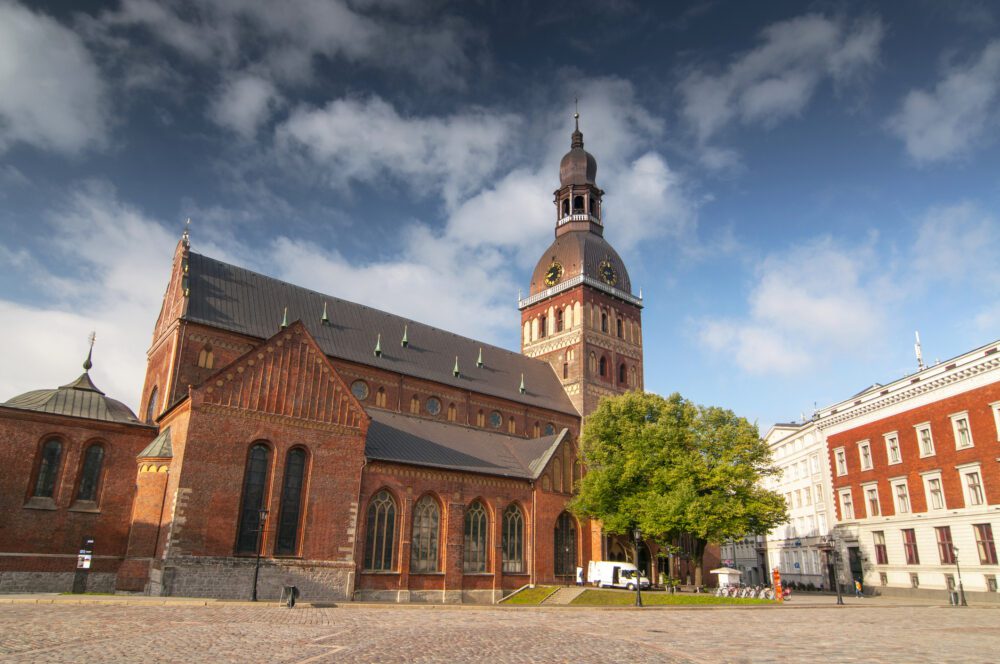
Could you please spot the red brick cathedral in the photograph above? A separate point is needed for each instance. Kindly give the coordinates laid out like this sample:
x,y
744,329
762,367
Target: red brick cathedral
x,y
360,454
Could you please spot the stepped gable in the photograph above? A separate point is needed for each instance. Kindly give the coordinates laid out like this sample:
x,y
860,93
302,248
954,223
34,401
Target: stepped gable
x,y
235,299
421,442
287,376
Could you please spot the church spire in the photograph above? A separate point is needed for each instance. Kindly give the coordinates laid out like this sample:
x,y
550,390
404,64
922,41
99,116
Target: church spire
x,y
577,136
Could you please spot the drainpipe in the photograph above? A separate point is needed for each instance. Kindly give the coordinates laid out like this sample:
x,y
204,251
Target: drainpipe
x,y
534,531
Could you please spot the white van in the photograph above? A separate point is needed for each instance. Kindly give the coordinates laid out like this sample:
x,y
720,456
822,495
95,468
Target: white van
x,y
612,574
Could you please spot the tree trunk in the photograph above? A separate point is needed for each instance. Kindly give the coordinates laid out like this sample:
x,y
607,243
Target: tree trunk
x,y
696,557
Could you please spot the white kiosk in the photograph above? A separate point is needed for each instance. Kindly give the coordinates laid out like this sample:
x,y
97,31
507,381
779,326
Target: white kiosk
x,y
727,576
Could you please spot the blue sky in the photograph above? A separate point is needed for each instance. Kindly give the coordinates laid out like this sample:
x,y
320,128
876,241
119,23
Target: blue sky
x,y
796,187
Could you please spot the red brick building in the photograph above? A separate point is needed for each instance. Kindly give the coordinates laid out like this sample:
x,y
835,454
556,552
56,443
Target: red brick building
x,y
916,479
361,454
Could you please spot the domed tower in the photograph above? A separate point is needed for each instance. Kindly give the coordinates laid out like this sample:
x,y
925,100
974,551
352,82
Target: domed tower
x,y
580,314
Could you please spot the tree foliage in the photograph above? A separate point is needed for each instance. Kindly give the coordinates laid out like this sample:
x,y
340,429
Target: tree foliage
x,y
668,466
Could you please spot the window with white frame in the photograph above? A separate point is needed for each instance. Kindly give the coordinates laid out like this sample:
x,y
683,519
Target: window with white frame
x,y
960,427
814,464
846,505
871,500
934,491
819,494
972,485
892,452
865,454
925,440
841,458
821,523
900,495
996,416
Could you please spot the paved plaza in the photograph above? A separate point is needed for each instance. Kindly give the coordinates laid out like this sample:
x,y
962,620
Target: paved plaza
x,y
862,631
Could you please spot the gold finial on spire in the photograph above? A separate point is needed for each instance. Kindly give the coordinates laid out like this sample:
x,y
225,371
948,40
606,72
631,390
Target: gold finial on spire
x,y
87,364
576,112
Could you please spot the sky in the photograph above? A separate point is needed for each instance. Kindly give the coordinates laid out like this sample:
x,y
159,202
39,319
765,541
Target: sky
x,y
796,187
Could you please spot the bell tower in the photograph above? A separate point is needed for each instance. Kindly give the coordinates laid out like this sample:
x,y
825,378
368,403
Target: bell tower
x,y
580,314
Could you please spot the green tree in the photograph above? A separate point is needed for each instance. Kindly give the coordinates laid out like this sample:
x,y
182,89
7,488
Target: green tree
x,y
668,466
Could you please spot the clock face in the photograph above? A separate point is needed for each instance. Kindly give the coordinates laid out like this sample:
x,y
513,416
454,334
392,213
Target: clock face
x,y
608,273
554,274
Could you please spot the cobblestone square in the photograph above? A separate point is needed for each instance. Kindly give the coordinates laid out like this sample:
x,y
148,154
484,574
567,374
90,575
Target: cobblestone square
x,y
134,632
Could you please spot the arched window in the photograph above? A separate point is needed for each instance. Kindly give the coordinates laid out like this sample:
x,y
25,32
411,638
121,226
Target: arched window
x,y
565,546
550,429
593,207
603,366
254,497
537,429
48,469
557,476
565,370
206,358
380,397
291,502
476,540
542,326
424,546
620,328
380,533
559,320
415,405
604,321
593,363
511,426
632,378
452,412
512,540
481,419
577,204
90,476
565,206
151,405
622,374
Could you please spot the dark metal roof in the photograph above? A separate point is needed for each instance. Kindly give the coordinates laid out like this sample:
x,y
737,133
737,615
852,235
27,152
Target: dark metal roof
x,y
423,442
81,398
160,448
236,299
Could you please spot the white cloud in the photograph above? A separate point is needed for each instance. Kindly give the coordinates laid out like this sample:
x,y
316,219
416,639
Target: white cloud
x,y
777,79
244,104
951,119
52,92
807,305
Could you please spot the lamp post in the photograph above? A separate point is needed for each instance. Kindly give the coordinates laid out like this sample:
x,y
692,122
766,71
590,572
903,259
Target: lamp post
x,y
830,546
261,520
638,573
961,589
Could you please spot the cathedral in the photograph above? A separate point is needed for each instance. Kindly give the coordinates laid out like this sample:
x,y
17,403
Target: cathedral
x,y
289,437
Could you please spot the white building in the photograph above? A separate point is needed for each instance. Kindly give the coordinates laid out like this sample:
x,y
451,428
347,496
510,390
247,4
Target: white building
x,y
748,555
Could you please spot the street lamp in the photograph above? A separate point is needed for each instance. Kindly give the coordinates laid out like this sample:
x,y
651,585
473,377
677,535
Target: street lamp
x,y
638,573
261,520
830,546
961,589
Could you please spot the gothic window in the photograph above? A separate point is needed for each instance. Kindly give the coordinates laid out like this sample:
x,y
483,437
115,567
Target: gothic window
x,y
151,405
593,363
577,204
480,419
206,358
380,533
620,328
512,540
559,320
623,374
48,469
565,370
537,429
476,529
415,405
424,546
565,546
557,476
511,426
604,321
452,412
254,490
603,366
90,476
527,331
380,397
542,327
291,502
565,206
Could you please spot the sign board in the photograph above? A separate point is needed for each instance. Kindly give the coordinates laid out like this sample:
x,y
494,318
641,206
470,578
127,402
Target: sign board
x,y
796,566
83,560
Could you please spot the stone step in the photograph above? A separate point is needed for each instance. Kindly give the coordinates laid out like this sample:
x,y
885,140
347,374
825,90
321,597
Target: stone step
x,y
564,595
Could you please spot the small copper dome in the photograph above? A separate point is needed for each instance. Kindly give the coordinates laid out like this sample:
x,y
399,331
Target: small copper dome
x,y
578,166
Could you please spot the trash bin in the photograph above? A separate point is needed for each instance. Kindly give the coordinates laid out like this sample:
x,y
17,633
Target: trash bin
x,y
288,595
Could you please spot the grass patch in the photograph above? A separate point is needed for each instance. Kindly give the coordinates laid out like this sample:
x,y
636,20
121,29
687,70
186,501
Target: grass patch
x,y
531,595
627,598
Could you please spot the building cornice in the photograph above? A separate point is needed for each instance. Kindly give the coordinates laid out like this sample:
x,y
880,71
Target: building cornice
x,y
576,281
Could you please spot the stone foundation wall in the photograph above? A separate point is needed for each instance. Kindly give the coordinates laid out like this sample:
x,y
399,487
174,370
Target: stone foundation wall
x,y
54,582
232,578
430,596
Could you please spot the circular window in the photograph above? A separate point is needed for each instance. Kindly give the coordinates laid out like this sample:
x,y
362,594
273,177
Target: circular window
x,y
359,389
550,429
433,405
496,419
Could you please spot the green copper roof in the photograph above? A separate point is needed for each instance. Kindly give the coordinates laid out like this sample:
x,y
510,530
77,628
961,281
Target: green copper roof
x,y
160,448
80,398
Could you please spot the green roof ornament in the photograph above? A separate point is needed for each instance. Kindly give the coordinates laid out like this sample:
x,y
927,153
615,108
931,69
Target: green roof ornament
x,y
88,363
479,362
284,319
378,346
455,370
522,389
406,341
325,320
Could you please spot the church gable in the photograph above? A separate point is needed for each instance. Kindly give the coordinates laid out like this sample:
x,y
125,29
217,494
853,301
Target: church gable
x,y
288,376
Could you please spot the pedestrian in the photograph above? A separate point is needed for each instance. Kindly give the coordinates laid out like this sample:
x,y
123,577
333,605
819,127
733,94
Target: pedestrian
x,y
579,576
857,588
